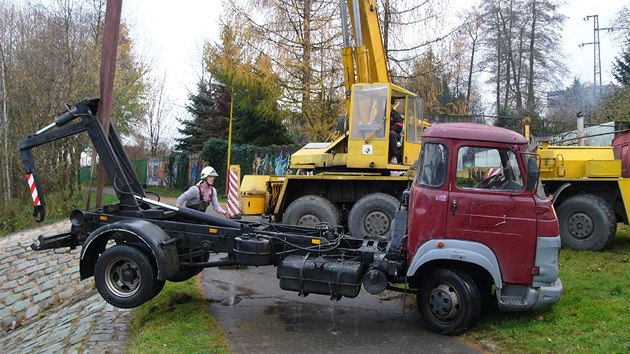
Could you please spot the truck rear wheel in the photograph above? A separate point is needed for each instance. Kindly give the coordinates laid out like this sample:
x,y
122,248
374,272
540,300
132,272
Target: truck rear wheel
x,y
372,216
125,277
587,222
311,210
448,301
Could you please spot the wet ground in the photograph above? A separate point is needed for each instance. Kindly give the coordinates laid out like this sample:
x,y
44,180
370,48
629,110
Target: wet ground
x,y
259,317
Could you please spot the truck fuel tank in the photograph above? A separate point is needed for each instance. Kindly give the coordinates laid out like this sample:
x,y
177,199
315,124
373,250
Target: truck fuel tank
x,y
319,275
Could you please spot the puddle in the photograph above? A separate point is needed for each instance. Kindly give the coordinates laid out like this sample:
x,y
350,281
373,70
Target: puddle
x,y
226,294
301,317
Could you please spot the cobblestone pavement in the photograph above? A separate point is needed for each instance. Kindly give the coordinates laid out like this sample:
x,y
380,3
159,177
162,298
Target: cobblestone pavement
x,y
44,308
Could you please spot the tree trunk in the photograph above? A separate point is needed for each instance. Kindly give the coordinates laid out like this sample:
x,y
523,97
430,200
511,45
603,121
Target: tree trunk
x,y
530,79
306,63
387,20
5,128
470,72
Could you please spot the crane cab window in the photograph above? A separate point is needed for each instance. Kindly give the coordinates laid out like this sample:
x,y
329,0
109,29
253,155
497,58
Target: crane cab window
x,y
369,111
414,119
488,168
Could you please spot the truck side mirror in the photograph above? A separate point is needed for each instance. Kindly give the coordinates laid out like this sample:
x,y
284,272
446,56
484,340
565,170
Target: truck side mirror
x,y
532,173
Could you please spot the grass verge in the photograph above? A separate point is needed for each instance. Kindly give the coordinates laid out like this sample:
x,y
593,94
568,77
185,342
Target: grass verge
x,y
176,321
18,216
592,315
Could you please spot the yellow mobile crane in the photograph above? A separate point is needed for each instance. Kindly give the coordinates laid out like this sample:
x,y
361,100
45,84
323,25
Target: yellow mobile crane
x,y
350,180
590,186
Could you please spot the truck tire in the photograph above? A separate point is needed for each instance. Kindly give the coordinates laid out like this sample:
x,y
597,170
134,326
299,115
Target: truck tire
x,y
157,288
448,301
125,277
311,210
587,222
372,216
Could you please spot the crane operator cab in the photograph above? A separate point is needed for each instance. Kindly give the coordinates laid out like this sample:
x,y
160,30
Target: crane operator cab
x,y
386,123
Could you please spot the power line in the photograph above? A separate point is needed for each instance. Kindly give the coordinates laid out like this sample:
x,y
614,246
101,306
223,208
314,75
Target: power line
x,y
597,63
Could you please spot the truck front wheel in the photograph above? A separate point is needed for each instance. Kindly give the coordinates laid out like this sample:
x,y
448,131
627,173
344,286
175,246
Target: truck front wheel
x,y
587,222
311,210
125,277
372,215
448,301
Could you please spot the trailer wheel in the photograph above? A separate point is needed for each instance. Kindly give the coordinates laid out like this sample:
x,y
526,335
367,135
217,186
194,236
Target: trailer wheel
x,y
448,301
372,216
587,222
311,210
125,277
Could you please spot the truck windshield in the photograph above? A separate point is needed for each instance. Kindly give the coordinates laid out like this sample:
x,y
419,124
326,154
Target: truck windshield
x,y
369,104
433,164
488,168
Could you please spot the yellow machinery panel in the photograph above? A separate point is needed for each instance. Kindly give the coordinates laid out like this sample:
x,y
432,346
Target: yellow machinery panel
x,y
254,194
253,204
603,168
372,153
578,162
254,184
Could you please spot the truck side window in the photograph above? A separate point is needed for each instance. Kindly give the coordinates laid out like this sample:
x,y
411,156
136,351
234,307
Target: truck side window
x,y
433,165
488,168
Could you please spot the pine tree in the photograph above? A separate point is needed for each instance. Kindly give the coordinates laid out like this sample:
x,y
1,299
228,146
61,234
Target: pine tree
x,y
621,67
210,110
257,118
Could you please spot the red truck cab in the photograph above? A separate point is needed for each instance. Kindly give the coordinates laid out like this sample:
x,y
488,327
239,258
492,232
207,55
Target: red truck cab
x,y
478,224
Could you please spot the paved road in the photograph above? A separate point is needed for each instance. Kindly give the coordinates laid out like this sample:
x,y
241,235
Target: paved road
x,y
258,317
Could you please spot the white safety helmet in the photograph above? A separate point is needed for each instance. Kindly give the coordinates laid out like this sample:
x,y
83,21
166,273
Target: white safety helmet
x,y
207,172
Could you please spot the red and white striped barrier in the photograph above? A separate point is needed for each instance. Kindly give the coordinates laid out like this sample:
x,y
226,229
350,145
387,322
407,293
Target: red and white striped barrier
x,y
233,203
33,187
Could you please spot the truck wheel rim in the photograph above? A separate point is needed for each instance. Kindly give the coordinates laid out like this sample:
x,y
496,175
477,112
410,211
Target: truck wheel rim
x,y
123,277
376,223
580,226
308,220
444,302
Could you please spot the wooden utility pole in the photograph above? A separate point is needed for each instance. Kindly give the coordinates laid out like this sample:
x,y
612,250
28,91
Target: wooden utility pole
x,y
111,33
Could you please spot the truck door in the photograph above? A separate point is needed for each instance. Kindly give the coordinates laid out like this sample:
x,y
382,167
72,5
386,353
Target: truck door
x,y
428,197
488,204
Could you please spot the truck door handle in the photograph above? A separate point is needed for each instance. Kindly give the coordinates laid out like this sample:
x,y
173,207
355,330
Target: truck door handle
x,y
453,206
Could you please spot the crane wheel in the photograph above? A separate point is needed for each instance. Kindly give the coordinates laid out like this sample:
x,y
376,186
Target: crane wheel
x,y
587,222
310,210
372,216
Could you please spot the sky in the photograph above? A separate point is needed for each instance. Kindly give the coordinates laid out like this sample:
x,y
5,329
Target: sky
x,y
172,36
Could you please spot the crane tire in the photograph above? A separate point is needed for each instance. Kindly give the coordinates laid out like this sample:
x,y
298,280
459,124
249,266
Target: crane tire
x,y
372,216
587,222
311,210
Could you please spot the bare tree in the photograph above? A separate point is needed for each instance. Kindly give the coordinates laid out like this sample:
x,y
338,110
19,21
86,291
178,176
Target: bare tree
x,y
302,40
520,42
48,53
158,119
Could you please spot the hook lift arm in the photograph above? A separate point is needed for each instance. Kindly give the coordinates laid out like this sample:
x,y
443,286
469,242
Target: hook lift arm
x,y
109,149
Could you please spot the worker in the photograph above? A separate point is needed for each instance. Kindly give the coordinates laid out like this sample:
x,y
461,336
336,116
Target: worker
x,y
202,194
395,129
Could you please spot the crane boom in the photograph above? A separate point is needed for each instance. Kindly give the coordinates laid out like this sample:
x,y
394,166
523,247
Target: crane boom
x,y
369,51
